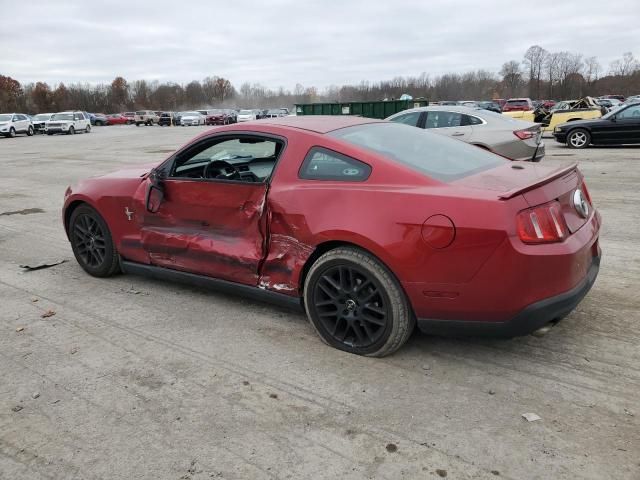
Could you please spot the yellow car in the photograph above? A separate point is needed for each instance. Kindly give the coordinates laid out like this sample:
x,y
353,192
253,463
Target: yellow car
x,y
562,112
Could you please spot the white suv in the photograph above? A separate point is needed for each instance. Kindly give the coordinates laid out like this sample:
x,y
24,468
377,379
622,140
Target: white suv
x,y
146,117
68,122
14,123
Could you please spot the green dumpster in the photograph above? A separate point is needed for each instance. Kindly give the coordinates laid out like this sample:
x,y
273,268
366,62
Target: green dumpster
x,y
378,109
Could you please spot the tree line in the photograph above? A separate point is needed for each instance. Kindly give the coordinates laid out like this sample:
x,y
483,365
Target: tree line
x,y
540,75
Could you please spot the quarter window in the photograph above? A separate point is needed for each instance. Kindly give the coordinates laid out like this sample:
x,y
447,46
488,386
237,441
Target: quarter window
x,y
471,120
324,164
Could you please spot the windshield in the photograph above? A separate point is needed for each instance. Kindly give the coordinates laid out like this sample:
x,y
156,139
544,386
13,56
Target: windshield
x,y
190,114
246,112
517,103
431,154
42,116
5,118
62,116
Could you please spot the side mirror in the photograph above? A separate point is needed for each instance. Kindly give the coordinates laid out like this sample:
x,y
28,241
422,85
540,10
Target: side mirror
x,y
155,195
155,192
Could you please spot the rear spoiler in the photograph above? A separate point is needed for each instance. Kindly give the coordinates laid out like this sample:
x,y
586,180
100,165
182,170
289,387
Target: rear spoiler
x,y
560,172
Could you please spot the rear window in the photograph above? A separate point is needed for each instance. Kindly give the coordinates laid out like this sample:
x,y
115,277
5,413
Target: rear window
x,y
517,102
433,155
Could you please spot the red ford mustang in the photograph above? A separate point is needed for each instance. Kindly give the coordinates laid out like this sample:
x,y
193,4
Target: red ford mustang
x,y
369,226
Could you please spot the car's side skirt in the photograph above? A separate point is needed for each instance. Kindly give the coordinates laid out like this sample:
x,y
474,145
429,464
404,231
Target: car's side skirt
x,y
226,286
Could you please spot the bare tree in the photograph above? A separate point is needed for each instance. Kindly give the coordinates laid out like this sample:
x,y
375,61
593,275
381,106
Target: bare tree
x,y
534,59
511,77
592,69
626,66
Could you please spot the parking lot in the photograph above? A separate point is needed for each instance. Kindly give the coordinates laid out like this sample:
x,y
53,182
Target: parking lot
x,y
130,377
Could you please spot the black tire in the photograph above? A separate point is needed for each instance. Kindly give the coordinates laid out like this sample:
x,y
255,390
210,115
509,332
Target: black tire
x,y
137,124
12,132
88,129
92,242
49,133
72,131
30,131
578,138
356,304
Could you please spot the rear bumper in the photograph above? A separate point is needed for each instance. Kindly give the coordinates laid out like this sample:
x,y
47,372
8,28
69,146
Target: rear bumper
x,y
526,321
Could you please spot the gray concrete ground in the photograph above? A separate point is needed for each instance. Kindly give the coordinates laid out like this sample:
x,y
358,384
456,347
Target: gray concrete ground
x,y
136,378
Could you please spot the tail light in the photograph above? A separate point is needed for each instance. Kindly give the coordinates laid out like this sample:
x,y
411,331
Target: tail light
x,y
583,187
524,134
542,224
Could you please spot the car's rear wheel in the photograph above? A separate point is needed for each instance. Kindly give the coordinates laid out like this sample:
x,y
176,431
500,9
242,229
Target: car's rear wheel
x,y
30,131
71,131
92,243
355,303
578,138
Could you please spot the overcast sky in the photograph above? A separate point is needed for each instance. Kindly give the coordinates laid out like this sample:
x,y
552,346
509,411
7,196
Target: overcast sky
x,y
284,42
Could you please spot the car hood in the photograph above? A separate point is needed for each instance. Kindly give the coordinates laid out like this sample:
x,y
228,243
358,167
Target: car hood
x,y
134,171
189,117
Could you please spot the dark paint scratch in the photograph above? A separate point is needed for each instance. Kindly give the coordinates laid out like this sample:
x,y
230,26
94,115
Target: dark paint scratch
x,y
26,211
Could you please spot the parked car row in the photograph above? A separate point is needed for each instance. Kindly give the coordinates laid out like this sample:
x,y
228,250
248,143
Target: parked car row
x,y
12,124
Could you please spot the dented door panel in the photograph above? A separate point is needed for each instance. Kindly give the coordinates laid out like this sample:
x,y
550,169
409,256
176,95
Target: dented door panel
x,y
213,228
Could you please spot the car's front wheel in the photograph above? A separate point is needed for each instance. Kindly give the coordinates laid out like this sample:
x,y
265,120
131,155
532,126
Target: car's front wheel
x,y
578,138
92,243
356,304
30,131
88,129
12,132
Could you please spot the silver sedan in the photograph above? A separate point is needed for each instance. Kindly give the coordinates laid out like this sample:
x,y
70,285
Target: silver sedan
x,y
511,138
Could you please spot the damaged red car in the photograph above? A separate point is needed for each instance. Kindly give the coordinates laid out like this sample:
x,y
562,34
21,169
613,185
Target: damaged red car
x,y
369,226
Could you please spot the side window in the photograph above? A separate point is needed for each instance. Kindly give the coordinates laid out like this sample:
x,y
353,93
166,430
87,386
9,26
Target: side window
x,y
470,120
630,113
443,119
244,159
323,164
15,118
408,119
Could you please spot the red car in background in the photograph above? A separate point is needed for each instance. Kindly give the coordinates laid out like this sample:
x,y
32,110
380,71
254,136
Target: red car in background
x,y
518,105
130,116
499,101
369,226
117,119
218,117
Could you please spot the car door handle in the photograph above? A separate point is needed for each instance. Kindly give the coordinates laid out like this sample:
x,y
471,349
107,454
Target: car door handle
x,y
457,134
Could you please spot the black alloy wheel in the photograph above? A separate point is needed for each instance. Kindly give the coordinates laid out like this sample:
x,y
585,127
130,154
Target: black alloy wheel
x,y
351,305
356,304
92,243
